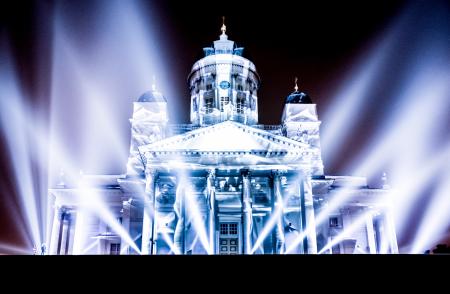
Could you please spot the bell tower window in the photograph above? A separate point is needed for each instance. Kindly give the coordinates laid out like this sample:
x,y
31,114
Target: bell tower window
x,y
224,101
240,103
209,101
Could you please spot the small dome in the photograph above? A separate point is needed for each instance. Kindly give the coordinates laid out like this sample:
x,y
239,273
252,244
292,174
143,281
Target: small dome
x,y
298,97
152,96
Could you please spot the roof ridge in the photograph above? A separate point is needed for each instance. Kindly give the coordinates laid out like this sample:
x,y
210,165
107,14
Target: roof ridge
x,y
276,139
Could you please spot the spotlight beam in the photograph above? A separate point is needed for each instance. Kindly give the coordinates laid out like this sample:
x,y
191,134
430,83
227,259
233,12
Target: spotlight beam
x,y
435,220
170,243
90,200
404,195
195,215
336,200
273,221
349,100
89,247
356,224
12,119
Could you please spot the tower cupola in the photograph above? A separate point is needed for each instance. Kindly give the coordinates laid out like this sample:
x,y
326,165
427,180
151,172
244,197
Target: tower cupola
x,y
223,85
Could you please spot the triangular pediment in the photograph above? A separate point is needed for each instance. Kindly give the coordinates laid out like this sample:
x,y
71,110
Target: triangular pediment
x,y
224,137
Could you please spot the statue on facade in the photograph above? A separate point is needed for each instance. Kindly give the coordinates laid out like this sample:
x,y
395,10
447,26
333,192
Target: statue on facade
x,y
289,228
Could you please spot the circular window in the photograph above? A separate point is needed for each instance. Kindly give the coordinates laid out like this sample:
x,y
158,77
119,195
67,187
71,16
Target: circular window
x,y
225,84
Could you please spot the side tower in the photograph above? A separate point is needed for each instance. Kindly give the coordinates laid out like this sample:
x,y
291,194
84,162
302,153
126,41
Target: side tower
x,y
301,123
223,86
148,125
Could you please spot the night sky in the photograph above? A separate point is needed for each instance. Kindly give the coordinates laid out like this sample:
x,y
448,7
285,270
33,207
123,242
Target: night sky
x,y
318,41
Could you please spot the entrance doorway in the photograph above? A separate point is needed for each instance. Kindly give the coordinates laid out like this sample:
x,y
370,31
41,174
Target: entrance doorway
x,y
229,238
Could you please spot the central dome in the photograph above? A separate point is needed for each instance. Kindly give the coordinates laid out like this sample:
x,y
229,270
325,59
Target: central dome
x,y
223,85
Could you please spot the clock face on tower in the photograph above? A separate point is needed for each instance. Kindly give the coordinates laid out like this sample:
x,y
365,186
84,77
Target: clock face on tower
x,y
224,84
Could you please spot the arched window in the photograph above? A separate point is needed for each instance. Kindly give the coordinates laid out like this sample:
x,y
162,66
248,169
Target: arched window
x,y
240,102
223,102
209,101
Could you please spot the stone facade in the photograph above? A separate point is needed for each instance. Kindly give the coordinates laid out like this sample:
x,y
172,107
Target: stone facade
x,y
223,184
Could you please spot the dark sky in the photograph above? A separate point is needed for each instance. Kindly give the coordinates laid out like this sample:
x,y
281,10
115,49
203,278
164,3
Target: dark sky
x,y
310,39
318,41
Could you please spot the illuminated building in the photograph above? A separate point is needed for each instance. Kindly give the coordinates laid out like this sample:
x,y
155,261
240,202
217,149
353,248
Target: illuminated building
x,y
222,184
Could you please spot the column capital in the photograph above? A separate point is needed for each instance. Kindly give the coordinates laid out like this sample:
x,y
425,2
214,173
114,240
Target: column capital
x,y
211,173
151,172
245,172
60,212
66,209
65,213
279,172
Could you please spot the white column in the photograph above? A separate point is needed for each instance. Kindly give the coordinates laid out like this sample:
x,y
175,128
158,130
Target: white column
x,y
390,227
68,226
179,235
212,211
148,226
382,236
53,250
64,233
370,234
126,214
71,231
309,214
247,213
278,208
62,230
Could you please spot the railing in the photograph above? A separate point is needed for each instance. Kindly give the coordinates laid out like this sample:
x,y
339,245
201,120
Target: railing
x,y
176,129
267,127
